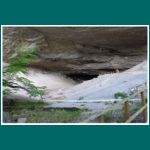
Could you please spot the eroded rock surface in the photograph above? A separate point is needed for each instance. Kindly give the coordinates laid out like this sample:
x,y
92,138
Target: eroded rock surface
x,y
81,50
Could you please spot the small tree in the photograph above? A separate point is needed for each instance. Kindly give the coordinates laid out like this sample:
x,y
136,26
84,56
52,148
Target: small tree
x,y
23,56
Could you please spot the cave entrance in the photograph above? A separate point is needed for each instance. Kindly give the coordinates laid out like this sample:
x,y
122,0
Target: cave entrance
x,y
79,77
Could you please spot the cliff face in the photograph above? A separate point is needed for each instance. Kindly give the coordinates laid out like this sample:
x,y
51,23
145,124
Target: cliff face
x,y
81,50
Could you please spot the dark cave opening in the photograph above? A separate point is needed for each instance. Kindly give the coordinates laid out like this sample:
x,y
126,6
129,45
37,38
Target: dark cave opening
x,y
81,76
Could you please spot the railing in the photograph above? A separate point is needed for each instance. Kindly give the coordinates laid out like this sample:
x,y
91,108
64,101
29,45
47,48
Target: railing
x,y
129,118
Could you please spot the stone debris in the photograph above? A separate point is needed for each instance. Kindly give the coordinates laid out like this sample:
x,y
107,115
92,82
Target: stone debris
x,y
21,120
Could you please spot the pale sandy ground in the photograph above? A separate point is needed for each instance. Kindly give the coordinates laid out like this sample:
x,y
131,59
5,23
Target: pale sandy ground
x,y
105,86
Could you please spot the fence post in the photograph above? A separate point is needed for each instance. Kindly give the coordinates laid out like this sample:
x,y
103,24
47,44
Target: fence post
x,y
143,98
143,103
126,110
101,119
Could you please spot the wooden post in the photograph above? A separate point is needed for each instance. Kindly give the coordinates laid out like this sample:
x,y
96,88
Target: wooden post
x,y
143,98
126,110
101,119
136,114
143,103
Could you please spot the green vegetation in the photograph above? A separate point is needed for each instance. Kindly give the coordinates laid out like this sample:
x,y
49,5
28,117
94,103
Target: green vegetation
x,y
120,95
34,113
114,116
23,56
19,105
55,116
118,115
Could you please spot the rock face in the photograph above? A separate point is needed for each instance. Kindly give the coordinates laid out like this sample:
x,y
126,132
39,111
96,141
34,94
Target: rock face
x,y
81,51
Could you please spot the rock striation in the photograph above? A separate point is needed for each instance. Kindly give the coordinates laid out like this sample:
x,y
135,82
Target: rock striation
x,y
80,51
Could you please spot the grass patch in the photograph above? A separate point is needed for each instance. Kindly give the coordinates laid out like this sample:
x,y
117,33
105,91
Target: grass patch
x,y
34,113
55,116
28,104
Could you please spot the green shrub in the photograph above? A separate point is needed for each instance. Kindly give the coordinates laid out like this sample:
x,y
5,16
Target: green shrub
x,y
120,95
